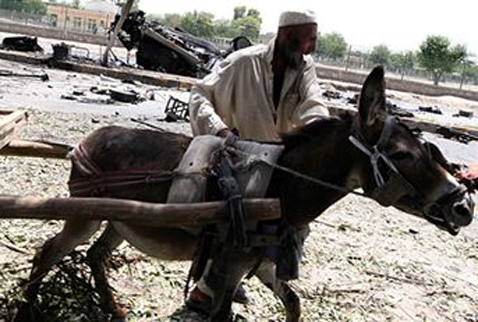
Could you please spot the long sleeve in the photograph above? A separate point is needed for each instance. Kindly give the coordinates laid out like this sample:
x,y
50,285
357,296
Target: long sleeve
x,y
311,106
203,112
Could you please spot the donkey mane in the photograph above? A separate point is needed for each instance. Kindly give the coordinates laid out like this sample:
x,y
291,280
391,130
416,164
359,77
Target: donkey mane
x,y
317,128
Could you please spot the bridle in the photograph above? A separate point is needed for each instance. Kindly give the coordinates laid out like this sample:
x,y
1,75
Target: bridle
x,y
393,186
390,183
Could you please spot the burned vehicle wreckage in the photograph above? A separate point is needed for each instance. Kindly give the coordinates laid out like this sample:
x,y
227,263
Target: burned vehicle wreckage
x,y
168,50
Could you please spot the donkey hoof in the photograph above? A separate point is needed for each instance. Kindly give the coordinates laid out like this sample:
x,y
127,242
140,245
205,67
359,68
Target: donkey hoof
x,y
120,313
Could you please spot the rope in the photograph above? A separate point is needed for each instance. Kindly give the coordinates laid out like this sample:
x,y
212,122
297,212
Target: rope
x,y
302,176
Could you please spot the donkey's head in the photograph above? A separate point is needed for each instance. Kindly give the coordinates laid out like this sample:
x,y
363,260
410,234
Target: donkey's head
x,y
402,172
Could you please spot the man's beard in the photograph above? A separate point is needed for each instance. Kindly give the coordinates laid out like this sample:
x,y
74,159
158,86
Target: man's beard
x,y
292,55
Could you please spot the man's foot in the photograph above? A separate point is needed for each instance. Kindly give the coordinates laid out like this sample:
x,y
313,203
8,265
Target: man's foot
x,y
201,303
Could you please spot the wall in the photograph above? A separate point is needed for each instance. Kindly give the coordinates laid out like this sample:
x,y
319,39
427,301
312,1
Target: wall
x,y
395,84
81,20
36,31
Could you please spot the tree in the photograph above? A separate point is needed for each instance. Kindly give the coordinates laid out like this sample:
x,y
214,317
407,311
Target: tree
x,y
222,28
172,20
76,4
332,46
30,6
239,12
380,55
198,23
248,25
403,62
438,57
121,3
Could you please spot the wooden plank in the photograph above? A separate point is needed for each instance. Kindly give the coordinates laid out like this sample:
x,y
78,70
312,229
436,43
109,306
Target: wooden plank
x,y
137,212
11,125
38,149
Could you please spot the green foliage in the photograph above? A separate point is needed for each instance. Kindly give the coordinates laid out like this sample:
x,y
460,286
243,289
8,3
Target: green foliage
x,y
380,55
332,46
30,6
470,71
121,3
76,4
172,20
403,62
249,26
239,12
245,23
198,23
438,57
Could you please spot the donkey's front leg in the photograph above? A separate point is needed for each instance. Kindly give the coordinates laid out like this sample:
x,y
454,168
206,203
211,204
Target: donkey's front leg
x,y
225,275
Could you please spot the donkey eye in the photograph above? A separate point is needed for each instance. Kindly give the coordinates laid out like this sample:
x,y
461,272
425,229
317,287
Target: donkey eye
x,y
401,155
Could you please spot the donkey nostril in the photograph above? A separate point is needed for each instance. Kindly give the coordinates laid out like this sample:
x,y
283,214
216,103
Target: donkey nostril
x,y
463,214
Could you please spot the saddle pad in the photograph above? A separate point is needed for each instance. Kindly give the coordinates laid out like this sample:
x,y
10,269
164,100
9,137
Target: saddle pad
x,y
253,177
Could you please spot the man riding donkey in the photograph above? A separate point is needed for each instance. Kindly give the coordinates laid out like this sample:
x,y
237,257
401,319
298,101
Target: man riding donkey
x,y
257,94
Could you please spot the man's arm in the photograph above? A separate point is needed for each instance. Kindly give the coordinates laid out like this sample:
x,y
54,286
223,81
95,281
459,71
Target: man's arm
x,y
204,115
311,106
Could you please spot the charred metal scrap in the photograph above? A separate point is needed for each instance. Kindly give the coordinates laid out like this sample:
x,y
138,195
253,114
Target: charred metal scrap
x,y
170,50
26,44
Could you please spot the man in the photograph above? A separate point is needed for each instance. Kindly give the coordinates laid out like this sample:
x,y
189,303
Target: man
x,y
257,93
262,91
471,173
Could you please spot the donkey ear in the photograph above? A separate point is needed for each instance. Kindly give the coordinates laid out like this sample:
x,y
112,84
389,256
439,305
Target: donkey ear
x,y
372,98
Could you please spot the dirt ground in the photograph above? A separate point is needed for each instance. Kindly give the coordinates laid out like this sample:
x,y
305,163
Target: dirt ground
x,y
362,262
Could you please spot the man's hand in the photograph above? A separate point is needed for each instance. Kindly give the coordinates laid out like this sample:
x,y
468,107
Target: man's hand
x,y
227,134
470,174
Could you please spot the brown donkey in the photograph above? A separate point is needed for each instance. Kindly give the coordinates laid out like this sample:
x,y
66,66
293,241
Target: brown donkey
x,y
371,150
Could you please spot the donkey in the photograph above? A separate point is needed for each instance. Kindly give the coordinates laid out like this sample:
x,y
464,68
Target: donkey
x,y
369,150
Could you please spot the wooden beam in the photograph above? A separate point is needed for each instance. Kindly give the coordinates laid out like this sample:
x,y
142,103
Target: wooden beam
x,y
137,212
38,149
11,125
124,14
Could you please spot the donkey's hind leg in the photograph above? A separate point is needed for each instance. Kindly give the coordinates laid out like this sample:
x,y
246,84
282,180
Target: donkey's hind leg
x,y
74,233
266,274
97,257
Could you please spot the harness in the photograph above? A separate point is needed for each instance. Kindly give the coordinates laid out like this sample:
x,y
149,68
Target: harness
x,y
392,186
95,180
390,190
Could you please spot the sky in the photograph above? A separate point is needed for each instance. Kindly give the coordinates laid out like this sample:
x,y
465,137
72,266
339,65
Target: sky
x,y
401,25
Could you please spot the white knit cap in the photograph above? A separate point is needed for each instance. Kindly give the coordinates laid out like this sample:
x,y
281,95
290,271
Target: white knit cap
x,y
292,18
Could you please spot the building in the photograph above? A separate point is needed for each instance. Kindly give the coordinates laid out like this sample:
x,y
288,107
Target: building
x,y
96,17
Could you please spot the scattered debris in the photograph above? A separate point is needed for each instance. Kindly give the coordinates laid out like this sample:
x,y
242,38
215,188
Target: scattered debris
x,y
78,93
88,100
171,50
462,113
449,133
430,109
160,129
353,100
61,51
7,73
394,109
99,91
72,280
128,96
332,94
25,44
176,110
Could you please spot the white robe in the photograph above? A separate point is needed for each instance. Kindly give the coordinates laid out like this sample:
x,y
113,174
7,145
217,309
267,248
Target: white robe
x,y
238,95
